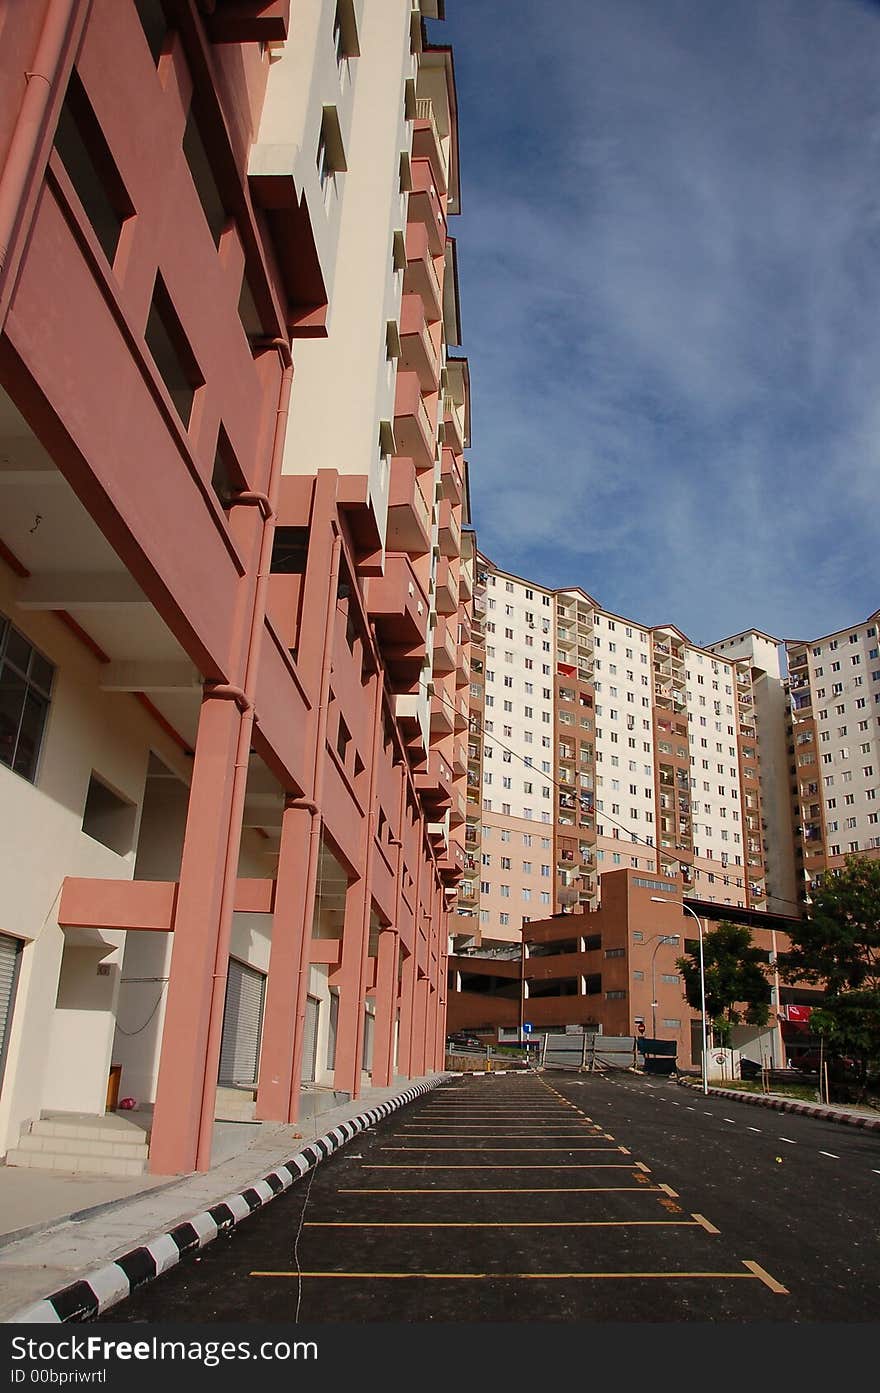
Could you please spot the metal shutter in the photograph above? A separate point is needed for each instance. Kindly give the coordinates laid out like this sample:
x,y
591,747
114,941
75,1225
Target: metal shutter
x,y
367,1057
331,1034
10,949
310,1040
242,1024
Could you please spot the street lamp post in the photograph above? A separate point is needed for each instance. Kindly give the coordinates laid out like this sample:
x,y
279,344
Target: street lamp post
x,y
659,899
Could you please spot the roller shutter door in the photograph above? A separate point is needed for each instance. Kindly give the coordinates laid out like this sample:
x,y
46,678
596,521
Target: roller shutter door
x,y
310,1040
10,949
242,1024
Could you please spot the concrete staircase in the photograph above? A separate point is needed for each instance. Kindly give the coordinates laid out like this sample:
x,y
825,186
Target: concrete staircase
x,y
82,1144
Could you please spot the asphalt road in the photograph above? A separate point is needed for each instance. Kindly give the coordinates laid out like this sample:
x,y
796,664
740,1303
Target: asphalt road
x,y
555,1197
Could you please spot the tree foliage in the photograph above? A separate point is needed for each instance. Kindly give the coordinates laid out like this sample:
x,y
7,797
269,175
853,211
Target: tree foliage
x,y
837,945
735,970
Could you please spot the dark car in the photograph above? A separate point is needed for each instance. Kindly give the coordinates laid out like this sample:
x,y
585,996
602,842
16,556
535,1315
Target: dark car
x,y
810,1061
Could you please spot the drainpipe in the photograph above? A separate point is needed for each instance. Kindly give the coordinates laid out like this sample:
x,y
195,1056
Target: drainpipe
x,y
24,149
244,700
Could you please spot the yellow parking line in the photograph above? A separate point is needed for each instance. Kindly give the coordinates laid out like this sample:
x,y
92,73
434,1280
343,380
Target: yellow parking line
x,y
668,1190
537,1276
517,1190
576,1166
704,1223
765,1277
510,1224
567,1150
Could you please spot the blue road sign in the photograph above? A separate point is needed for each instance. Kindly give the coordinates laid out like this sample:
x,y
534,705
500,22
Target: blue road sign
x,y
526,1028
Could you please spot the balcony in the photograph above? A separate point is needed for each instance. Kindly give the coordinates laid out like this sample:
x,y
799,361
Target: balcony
x,y
458,811
462,668
465,584
409,516
435,782
453,425
566,639
397,602
445,587
426,142
442,715
445,647
459,759
451,475
413,432
420,276
461,715
449,535
425,206
417,351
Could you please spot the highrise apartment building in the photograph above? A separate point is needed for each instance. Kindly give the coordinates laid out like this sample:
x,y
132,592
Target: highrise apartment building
x,y
234,588
835,748
601,743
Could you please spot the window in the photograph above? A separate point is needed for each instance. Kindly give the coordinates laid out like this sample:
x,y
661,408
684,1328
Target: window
x,y
171,352
203,178
25,689
330,156
154,25
86,157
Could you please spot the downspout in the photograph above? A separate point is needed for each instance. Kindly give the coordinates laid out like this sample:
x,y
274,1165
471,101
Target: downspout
x,y
244,701
21,159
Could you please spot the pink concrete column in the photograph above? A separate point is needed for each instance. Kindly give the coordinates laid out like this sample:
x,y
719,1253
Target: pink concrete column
x,y
386,1009
407,995
350,1020
352,976
420,1020
184,1067
295,885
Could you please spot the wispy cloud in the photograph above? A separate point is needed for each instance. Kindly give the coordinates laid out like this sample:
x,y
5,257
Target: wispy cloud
x,y
670,254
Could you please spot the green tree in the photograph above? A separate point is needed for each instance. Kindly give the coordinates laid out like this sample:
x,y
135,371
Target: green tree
x,y
837,945
737,988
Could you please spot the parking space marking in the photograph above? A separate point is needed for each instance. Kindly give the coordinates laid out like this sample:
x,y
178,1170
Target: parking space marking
x,y
754,1272
566,1150
789,1140
695,1222
516,1190
543,1131
754,1129
765,1277
578,1166
704,1223
667,1190
831,1154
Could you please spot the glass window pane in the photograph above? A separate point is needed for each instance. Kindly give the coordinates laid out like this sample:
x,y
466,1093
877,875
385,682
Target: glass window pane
x,y
29,736
18,650
12,693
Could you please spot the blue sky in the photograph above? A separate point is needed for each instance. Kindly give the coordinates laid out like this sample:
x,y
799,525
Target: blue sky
x,y
669,256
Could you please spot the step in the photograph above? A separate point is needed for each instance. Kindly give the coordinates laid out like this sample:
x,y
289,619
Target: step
x,y
74,1165
79,1146
82,1126
235,1105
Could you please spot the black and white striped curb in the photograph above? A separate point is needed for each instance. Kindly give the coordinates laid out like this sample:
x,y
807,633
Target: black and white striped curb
x,y
823,1110
103,1287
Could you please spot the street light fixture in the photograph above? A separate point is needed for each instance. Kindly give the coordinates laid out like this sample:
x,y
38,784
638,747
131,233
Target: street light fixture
x,y
660,899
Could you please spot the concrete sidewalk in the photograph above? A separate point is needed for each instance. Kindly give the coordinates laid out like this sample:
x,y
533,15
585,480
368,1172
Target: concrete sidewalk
x,y
83,1239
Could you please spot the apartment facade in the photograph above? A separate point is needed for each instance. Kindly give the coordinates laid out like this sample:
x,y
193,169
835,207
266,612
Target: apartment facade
x,y
234,591
603,744
613,970
835,748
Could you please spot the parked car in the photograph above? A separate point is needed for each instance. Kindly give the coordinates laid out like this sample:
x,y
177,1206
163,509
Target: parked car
x,y
809,1061
462,1041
